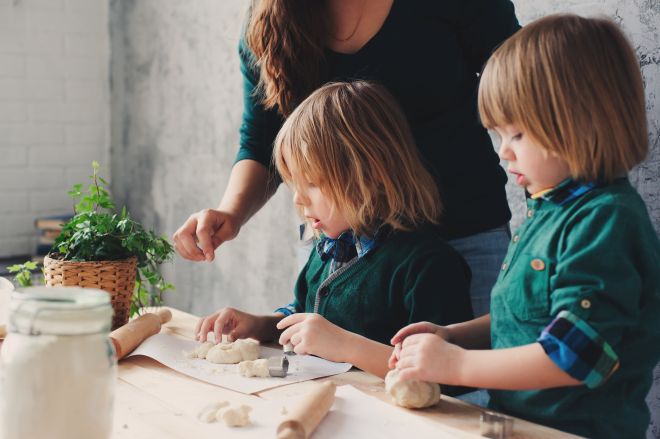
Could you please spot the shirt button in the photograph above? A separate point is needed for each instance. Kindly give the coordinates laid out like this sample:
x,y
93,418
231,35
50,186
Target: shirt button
x,y
585,303
516,238
530,213
504,266
538,264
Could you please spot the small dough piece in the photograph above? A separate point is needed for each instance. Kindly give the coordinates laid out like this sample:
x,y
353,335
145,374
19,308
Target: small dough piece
x,y
255,368
235,416
208,413
200,350
3,331
413,393
232,353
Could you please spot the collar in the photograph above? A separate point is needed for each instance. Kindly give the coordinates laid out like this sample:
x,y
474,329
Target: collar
x,y
346,246
565,191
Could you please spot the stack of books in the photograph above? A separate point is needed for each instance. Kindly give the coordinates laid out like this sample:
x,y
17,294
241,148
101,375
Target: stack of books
x,y
48,229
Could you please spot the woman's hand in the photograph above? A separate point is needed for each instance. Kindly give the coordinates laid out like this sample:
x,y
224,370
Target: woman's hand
x,y
414,328
429,357
310,333
236,324
203,232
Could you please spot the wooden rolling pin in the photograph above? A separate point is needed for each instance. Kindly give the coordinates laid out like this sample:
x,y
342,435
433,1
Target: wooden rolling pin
x,y
129,336
307,415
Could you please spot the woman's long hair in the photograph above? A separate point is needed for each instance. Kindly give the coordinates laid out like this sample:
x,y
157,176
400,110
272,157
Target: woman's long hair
x,y
287,39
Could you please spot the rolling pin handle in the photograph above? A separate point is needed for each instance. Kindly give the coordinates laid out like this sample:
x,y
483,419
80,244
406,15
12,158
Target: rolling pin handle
x,y
165,315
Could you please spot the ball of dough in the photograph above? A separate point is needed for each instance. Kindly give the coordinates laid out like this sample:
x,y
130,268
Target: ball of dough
x,y
235,416
232,353
256,368
412,393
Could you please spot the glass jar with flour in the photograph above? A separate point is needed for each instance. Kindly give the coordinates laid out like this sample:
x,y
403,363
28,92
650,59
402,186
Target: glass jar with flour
x,y
57,366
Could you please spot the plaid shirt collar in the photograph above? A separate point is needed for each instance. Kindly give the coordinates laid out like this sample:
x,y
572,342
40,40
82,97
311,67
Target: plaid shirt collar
x,y
346,246
565,191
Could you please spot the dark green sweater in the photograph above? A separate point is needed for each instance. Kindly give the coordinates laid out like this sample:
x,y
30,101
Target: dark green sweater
x,y
410,277
428,54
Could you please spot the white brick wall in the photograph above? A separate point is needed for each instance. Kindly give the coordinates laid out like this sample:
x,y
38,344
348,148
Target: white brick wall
x,y
54,109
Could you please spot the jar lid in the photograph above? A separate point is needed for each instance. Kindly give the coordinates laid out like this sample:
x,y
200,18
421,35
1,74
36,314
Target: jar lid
x,y
60,311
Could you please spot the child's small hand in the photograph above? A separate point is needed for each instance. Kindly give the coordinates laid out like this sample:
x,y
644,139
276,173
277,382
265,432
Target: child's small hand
x,y
312,334
236,324
429,357
414,328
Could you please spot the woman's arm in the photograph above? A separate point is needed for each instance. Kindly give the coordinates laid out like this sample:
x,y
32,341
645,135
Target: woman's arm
x,y
247,191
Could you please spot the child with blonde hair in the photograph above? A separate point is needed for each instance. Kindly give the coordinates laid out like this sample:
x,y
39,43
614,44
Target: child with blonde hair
x,y
379,263
573,334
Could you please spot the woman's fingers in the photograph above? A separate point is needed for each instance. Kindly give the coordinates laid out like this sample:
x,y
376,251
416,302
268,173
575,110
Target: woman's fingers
x,y
185,240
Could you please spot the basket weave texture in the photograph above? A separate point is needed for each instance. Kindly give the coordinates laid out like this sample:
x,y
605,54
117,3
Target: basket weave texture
x,y
115,277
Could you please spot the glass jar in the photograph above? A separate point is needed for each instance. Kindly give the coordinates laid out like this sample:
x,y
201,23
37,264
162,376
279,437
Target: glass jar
x,y
57,366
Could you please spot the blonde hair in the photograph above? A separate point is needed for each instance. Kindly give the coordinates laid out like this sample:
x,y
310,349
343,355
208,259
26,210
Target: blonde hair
x,y
354,143
574,85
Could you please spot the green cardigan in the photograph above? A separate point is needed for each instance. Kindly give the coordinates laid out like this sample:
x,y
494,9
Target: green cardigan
x,y
410,277
597,257
428,54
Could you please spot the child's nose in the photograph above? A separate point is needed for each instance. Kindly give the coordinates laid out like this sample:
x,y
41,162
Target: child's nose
x,y
505,152
298,198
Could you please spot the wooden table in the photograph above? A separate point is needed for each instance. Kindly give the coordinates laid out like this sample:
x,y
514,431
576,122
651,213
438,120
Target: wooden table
x,y
155,401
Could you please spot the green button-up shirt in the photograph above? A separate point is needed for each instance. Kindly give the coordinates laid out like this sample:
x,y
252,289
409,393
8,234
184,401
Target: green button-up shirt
x,y
597,257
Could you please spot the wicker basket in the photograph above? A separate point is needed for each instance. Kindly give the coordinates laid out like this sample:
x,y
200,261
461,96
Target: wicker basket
x,y
115,277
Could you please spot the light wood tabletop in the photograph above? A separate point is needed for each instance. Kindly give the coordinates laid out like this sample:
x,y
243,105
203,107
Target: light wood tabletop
x,y
154,401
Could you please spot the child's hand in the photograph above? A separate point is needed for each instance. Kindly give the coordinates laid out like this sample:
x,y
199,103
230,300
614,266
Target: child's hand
x,y
236,324
312,334
429,357
414,328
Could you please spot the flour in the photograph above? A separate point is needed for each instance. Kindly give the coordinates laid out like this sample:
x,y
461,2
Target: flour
x,y
56,387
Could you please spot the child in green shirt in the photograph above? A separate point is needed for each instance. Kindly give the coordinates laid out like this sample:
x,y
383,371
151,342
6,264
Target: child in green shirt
x,y
574,330
348,154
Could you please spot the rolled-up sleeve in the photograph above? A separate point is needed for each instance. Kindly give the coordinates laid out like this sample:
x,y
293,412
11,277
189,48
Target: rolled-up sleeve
x,y
595,295
577,349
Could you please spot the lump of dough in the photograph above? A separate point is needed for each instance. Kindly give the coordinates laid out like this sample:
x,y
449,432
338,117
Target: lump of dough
x,y
208,413
232,353
200,351
235,416
256,368
413,393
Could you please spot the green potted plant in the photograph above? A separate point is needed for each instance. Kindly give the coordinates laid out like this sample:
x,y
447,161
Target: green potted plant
x,y
104,248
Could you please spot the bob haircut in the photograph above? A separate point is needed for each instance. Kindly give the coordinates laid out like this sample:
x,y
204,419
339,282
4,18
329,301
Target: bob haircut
x,y
352,141
573,84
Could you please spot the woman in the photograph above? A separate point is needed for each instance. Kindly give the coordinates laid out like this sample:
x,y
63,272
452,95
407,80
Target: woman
x,y
428,54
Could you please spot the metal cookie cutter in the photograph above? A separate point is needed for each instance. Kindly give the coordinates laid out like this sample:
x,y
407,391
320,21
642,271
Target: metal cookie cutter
x,y
496,426
278,366
288,349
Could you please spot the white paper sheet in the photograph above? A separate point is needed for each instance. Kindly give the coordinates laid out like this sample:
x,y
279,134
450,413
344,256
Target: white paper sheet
x,y
353,415
169,350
